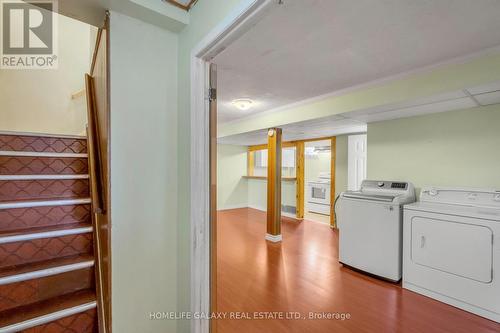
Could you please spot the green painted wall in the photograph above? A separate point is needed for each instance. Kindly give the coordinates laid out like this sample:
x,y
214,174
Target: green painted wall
x,y
457,148
204,16
257,193
144,191
232,188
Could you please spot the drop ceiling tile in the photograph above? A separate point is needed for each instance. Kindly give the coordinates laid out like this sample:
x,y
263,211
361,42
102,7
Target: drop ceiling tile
x,y
484,88
455,104
488,98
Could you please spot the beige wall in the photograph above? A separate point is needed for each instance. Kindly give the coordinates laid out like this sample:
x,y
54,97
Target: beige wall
x,y
144,188
457,148
40,100
232,188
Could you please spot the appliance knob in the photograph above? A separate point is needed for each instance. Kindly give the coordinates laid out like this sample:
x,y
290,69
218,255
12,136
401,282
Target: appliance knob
x,y
472,196
497,197
380,184
433,192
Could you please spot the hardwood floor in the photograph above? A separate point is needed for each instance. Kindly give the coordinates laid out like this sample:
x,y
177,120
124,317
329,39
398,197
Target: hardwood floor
x,y
302,274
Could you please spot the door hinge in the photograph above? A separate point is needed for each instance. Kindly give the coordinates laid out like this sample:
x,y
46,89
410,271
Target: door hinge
x,y
212,94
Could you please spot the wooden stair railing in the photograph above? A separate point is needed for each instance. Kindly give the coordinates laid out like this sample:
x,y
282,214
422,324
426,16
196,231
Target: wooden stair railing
x,y
95,173
97,88
96,186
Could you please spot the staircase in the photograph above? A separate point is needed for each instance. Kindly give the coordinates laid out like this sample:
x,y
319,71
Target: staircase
x,y
47,277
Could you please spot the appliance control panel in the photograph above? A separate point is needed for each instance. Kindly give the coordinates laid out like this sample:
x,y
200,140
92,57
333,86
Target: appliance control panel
x,y
383,185
480,197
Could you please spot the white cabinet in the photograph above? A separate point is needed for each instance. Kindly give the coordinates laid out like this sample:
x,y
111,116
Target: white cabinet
x,y
288,158
261,158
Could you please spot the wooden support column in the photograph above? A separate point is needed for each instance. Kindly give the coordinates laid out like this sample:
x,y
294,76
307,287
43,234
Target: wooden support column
x,y
274,185
300,167
333,222
250,162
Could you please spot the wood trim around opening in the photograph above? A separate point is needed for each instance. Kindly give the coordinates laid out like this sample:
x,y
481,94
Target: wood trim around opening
x,y
235,24
333,159
213,191
300,174
287,144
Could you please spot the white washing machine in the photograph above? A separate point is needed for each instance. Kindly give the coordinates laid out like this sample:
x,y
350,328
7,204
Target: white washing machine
x,y
452,248
370,223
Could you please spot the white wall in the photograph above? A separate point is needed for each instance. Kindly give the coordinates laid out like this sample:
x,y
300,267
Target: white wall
x,y
40,100
144,174
232,188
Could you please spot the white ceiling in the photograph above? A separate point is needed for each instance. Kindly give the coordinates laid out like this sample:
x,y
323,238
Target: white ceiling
x,y
309,48
355,122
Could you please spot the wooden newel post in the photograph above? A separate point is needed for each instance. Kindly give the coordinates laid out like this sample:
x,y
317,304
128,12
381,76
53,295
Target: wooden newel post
x,y
274,185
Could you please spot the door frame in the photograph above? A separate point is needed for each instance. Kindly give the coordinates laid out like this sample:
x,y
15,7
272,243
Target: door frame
x,y
239,21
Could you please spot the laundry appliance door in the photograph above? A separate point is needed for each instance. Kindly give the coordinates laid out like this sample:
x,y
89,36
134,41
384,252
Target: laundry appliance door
x,y
454,259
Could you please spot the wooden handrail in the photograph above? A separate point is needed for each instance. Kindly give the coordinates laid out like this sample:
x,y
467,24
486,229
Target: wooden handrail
x,y
95,174
78,94
186,7
97,92
96,191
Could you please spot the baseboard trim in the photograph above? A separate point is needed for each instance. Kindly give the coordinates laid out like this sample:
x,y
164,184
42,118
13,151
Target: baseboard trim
x,y
292,216
274,238
228,207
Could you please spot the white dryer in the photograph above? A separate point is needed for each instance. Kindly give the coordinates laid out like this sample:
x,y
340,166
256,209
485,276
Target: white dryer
x,y
451,248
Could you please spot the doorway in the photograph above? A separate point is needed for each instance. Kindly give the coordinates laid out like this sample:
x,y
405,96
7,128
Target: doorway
x,y
317,181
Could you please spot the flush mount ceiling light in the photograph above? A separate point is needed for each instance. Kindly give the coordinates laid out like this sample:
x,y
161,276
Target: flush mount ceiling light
x,y
243,103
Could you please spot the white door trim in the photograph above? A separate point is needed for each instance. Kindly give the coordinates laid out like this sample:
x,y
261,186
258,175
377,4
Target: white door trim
x,y
227,31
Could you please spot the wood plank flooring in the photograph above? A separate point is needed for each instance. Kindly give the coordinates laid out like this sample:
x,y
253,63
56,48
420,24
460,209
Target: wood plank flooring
x,y
302,274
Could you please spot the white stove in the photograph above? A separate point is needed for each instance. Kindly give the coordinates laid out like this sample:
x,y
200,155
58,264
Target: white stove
x,y
318,194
